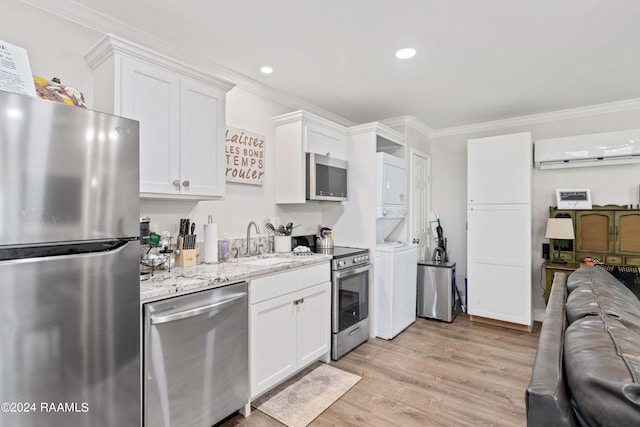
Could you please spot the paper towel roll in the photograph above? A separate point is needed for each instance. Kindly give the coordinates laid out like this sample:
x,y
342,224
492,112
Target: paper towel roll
x,y
210,243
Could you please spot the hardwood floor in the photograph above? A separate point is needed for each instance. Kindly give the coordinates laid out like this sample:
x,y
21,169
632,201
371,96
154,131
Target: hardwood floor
x,y
432,374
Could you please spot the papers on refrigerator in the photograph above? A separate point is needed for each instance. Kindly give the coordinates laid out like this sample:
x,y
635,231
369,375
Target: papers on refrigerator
x,y
15,71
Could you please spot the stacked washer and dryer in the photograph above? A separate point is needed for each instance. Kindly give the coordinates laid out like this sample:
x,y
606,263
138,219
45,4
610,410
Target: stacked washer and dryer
x,y
395,260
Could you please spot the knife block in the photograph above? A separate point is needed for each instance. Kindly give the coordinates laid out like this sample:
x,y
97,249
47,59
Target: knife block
x,y
185,257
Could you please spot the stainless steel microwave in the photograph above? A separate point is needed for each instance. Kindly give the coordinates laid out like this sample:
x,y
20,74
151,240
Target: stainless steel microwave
x,y
326,178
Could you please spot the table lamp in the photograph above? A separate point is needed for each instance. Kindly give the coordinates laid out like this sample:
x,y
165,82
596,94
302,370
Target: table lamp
x,y
559,229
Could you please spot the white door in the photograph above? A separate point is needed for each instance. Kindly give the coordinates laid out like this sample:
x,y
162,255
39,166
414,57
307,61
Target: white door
x,y
202,147
404,283
314,323
394,184
273,342
499,262
152,96
324,140
499,169
420,183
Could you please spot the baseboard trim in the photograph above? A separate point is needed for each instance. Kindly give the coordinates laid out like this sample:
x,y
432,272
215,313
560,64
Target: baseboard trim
x,y
501,323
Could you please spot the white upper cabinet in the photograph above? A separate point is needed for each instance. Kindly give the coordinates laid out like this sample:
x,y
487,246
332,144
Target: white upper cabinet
x,y
298,133
202,119
181,112
328,139
499,169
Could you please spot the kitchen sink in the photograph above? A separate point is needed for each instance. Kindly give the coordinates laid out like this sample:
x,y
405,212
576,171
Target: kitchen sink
x,y
268,261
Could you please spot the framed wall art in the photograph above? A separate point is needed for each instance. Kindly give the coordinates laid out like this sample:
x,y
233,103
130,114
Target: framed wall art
x,y
574,199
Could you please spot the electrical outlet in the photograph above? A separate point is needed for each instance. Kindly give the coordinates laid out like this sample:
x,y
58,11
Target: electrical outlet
x,y
545,251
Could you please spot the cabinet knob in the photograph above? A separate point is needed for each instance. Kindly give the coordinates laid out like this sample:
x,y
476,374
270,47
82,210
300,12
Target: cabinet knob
x,y
185,183
176,182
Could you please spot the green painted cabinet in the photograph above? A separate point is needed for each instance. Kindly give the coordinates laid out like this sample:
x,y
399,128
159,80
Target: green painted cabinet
x,y
609,233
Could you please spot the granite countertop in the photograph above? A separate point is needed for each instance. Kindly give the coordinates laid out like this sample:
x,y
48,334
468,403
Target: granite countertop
x,y
182,280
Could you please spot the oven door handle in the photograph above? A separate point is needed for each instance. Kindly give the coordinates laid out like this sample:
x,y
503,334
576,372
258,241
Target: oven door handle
x,y
343,273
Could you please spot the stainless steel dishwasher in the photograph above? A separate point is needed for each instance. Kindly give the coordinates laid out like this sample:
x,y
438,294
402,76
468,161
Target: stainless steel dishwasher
x,y
196,357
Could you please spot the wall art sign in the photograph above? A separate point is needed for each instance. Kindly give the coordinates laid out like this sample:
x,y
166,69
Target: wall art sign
x,y
15,71
244,156
573,199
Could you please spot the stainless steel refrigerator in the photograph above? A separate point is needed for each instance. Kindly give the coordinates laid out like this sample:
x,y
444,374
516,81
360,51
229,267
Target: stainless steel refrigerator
x,y
69,266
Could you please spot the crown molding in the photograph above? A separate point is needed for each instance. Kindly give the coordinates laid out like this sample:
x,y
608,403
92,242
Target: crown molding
x,y
80,14
380,129
592,110
297,116
110,45
409,122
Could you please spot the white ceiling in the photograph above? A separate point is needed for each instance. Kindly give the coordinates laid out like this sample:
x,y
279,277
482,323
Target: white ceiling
x,y
477,60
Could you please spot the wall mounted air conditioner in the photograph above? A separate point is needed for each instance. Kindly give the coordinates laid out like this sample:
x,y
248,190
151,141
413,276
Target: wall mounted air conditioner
x,y
597,149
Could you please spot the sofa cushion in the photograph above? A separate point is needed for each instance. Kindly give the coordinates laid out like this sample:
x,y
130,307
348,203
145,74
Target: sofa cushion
x,y
594,292
602,349
602,365
546,398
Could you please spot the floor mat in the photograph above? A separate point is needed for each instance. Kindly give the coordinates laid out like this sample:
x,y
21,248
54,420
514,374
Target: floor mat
x,y
299,400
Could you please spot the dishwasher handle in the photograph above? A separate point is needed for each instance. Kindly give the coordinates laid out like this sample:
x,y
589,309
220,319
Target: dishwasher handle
x,y
195,311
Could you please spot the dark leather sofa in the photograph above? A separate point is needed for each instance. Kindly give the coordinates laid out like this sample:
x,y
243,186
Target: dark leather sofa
x,y
587,367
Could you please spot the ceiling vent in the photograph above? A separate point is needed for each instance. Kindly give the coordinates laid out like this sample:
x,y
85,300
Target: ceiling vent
x,y
597,149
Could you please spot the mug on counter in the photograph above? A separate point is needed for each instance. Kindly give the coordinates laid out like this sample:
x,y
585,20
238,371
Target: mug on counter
x,y
282,243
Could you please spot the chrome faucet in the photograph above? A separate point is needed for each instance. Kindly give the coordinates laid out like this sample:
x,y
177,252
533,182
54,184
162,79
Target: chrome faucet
x,y
247,253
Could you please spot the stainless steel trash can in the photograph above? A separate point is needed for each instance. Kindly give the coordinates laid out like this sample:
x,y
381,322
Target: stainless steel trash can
x,y
436,290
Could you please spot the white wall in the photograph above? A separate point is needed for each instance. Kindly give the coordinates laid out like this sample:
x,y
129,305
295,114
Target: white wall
x,y
56,47
608,184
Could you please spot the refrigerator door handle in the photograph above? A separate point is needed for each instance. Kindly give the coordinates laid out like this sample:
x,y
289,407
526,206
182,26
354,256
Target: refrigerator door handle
x,y
156,320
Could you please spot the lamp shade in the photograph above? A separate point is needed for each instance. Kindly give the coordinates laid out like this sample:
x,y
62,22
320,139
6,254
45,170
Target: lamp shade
x,y
559,228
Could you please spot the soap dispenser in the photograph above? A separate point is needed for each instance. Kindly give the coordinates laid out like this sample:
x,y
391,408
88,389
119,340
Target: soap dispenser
x,y
224,249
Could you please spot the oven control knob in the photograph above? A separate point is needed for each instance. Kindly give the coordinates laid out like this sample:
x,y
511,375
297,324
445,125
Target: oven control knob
x,y
341,263
355,259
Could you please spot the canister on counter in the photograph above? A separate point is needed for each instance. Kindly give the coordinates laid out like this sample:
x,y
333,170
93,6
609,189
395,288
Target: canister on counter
x,y
144,230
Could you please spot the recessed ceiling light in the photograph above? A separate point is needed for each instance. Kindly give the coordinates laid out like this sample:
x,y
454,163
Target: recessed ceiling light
x,y
406,53
266,69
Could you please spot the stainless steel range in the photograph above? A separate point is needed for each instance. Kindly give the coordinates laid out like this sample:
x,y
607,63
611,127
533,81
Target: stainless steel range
x,y
350,299
350,269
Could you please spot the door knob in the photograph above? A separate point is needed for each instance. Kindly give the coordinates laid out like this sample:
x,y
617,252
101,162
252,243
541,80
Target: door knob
x,y
185,183
176,182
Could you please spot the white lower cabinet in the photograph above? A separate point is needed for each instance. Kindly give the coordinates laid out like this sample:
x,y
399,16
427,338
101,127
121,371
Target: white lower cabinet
x,y
290,324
